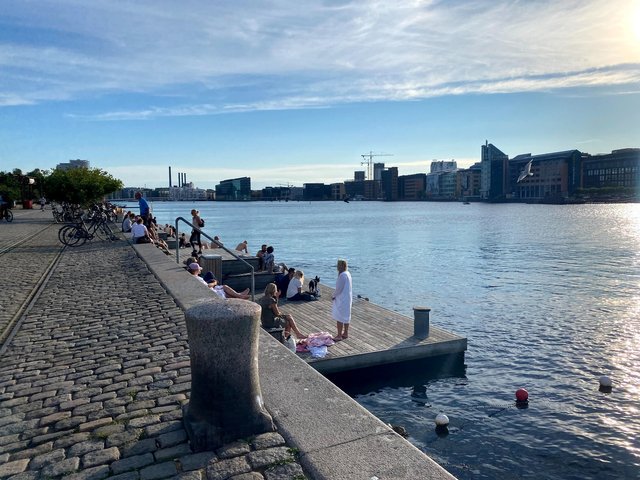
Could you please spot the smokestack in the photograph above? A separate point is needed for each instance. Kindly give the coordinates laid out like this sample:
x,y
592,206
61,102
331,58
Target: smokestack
x,y
169,178
185,178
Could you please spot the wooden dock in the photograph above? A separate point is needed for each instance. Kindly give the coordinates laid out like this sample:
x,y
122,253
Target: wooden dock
x,y
377,336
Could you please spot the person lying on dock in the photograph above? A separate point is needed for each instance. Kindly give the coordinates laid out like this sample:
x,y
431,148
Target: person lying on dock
x,y
223,291
272,317
294,290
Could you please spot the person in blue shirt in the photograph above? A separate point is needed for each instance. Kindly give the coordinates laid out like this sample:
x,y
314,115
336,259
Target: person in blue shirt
x,y
144,208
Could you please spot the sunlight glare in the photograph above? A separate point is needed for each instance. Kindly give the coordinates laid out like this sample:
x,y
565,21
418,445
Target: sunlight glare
x,y
635,20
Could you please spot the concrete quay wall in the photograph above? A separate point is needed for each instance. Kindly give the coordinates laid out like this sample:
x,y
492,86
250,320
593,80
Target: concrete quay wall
x,y
96,371
335,436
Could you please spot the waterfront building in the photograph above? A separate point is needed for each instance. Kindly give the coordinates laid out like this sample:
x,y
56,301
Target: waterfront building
x,y
389,184
73,164
359,176
316,191
556,176
412,187
468,182
620,168
354,188
441,181
338,191
234,189
378,168
372,190
438,166
494,169
276,193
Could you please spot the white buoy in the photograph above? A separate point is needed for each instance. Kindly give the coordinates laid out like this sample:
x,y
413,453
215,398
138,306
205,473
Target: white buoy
x,y
605,381
442,420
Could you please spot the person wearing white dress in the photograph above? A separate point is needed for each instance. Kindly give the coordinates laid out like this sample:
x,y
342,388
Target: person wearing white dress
x,y
342,300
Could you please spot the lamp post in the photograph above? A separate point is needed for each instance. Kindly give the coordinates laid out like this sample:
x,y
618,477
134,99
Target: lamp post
x,y
27,192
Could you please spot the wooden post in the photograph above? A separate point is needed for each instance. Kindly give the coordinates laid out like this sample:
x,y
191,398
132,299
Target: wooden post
x,y
226,400
421,322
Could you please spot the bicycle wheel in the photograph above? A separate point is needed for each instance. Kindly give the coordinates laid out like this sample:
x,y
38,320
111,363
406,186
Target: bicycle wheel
x,y
100,230
72,236
9,216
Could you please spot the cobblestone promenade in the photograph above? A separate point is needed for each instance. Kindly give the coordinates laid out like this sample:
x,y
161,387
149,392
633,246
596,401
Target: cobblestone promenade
x,y
93,382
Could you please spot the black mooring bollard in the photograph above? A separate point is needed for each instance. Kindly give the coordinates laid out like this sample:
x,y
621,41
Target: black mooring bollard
x,y
226,400
421,322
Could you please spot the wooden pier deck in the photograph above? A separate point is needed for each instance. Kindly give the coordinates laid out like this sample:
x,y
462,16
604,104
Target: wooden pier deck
x,y
377,336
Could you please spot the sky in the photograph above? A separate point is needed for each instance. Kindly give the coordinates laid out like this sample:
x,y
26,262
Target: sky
x,y
289,92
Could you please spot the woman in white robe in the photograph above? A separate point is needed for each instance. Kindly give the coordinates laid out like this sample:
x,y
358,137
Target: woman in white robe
x,y
342,299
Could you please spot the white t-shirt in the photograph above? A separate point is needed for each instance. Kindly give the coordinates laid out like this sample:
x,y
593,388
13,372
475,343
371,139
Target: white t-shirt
x,y
138,230
294,284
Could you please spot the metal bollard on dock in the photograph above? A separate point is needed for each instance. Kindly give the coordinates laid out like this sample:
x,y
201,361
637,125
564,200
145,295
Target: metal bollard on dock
x,y
226,399
421,322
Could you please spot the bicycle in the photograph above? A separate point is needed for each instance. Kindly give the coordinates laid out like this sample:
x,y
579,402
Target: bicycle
x,y
75,235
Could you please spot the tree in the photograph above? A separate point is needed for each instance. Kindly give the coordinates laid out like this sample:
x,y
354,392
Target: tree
x,y
10,185
80,185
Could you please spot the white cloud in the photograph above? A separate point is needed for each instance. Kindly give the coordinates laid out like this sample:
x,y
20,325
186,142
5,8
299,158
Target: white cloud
x,y
203,58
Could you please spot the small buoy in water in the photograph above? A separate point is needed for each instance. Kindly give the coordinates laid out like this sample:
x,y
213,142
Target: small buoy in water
x,y
605,384
522,396
442,420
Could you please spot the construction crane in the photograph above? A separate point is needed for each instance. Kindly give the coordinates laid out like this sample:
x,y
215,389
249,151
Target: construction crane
x,y
368,161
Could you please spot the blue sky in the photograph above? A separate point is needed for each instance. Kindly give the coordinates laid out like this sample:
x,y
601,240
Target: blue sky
x,y
293,92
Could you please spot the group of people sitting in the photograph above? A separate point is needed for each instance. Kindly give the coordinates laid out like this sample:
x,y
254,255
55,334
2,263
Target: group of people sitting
x,y
141,233
288,283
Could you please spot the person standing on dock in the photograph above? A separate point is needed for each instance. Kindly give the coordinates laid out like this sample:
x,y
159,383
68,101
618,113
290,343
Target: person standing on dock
x,y
342,300
195,232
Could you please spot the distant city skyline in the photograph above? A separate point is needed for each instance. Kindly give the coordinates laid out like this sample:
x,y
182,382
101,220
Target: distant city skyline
x,y
290,95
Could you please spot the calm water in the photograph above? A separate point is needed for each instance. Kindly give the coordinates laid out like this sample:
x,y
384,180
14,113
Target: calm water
x,y
548,296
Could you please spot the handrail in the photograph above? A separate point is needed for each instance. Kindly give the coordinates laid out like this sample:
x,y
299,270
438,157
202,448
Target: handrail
x,y
253,273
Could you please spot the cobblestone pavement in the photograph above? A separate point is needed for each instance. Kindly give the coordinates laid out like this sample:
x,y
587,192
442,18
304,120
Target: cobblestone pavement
x,y
28,246
93,383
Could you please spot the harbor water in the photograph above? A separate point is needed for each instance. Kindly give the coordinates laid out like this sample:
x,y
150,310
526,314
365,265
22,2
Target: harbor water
x,y
547,295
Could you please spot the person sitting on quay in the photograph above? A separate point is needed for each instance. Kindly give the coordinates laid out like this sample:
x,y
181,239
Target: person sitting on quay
x,y
272,317
283,279
156,240
261,253
139,232
243,247
294,290
216,243
223,291
269,259
183,241
128,221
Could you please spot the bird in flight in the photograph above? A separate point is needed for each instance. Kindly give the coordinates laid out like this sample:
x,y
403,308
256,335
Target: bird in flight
x,y
526,172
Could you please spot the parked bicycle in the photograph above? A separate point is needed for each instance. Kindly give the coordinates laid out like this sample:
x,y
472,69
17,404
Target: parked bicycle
x,y
93,224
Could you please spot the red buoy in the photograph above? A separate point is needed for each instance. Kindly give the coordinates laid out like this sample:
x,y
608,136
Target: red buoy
x,y
522,395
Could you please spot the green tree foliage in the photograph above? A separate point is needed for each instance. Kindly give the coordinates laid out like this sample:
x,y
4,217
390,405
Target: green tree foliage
x,y
10,185
80,185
